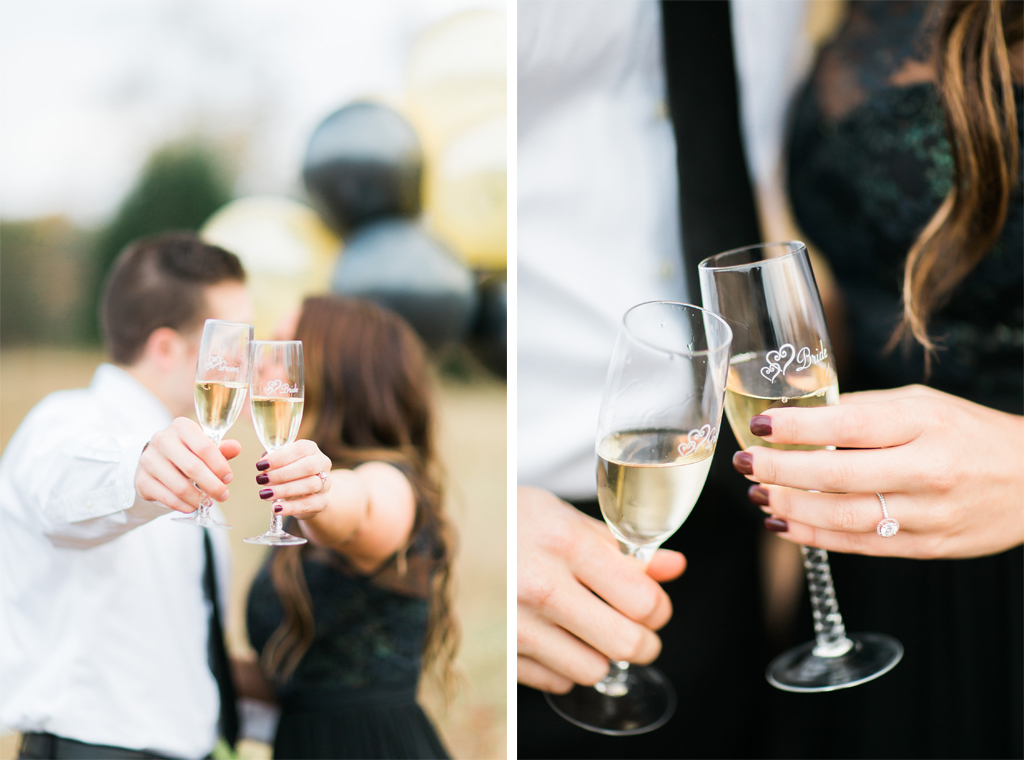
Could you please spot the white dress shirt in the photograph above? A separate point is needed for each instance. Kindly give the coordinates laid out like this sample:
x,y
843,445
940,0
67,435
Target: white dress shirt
x,y
598,218
598,222
103,621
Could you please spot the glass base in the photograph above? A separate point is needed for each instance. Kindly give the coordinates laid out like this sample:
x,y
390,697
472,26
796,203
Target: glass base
x,y
799,669
647,703
200,522
275,538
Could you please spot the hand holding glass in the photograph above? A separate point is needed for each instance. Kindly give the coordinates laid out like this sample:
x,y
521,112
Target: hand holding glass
x,y
222,377
656,434
781,356
276,392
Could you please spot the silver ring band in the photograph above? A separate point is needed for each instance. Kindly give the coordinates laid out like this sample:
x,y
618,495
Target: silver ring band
x,y
888,526
323,482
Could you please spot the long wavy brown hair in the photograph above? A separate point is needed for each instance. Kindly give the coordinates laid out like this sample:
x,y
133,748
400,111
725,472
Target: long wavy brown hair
x,y
368,399
975,78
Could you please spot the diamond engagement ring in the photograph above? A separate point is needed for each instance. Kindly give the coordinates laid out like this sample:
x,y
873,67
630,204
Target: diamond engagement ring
x,y
323,482
888,526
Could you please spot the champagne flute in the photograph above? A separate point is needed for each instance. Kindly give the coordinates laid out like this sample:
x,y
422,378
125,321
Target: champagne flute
x,y
781,357
276,393
222,377
656,434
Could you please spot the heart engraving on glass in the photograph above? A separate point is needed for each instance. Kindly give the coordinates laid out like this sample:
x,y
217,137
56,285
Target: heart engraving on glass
x,y
219,363
804,359
703,436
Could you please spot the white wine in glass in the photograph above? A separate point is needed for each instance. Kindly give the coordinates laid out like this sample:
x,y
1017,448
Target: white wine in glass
x,y
222,379
276,394
782,357
748,393
656,434
648,481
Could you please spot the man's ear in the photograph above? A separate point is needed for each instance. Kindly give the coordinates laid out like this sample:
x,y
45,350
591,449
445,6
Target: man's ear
x,y
163,348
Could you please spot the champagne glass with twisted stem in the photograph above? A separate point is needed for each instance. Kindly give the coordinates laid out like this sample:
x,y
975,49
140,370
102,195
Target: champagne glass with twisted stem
x,y
781,357
222,378
656,434
276,393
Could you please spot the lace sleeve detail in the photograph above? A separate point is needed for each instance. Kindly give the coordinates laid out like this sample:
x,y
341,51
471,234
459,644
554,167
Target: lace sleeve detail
x,y
880,45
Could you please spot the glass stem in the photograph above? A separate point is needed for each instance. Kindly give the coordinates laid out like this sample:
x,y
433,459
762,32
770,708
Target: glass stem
x,y
616,683
829,631
275,522
205,502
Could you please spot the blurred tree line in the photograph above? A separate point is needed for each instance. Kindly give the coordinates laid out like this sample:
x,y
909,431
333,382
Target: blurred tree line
x,y
52,272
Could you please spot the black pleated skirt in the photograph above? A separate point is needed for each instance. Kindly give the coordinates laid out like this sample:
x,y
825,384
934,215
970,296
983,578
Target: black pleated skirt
x,y
369,724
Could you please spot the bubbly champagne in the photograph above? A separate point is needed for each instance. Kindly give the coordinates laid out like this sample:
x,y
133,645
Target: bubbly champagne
x,y
276,420
218,404
646,485
748,393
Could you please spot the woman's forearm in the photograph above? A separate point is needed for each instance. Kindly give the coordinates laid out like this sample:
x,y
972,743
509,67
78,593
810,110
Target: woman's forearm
x,y
348,502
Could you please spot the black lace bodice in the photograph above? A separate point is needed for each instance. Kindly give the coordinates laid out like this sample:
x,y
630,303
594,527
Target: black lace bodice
x,y
869,164
370,629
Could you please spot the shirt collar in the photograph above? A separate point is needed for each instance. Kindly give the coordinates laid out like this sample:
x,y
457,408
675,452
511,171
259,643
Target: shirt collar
x,y
134,402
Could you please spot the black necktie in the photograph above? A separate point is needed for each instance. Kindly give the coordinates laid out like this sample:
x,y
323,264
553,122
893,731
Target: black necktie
x,y
219,663
716,206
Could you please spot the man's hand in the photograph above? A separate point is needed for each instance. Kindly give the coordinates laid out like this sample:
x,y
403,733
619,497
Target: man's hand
x,y
581,602
176,457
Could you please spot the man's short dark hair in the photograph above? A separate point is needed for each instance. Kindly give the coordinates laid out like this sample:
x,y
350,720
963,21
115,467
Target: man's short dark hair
x,y
158,282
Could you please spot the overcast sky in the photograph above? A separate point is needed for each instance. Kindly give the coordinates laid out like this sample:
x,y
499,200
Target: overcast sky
x,y
89,87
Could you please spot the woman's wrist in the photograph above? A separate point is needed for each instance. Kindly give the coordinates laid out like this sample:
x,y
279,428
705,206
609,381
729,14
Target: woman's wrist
x,y
347,505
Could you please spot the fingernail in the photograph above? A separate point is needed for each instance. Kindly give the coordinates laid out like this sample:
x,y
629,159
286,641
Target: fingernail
x,y
278,508
263,464
775,525
761,425
262,479
267,493
227,478
263,454
758,495
743,462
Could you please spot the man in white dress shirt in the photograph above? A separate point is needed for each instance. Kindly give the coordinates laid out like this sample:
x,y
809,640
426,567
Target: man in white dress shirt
x,y
104,622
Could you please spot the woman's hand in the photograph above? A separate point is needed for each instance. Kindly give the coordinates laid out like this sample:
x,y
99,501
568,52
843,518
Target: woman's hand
x,y
951,471
292,474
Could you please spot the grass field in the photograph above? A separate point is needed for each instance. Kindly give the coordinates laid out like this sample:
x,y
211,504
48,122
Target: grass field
x,y
472,439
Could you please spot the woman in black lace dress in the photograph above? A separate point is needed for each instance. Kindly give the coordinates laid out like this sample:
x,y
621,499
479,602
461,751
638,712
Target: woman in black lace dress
x,y
345,624
905,172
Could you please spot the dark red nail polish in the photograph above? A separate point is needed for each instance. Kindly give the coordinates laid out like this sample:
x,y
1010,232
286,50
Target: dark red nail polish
x,y
775,525
262,479
263,464
267,493
761,425
278,508
758,495
743,462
